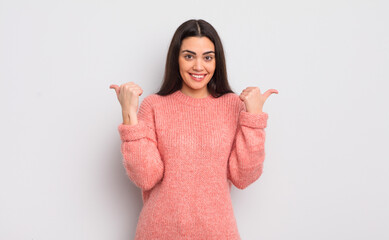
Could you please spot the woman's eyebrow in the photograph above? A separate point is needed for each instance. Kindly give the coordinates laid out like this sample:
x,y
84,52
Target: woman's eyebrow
x,y
195,53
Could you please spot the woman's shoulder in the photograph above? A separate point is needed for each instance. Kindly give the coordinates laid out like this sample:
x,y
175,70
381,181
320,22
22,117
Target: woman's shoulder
x,y
233,97
153,99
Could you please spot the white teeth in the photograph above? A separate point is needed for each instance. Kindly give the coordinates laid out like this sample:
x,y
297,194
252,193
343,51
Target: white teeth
x,y
198,76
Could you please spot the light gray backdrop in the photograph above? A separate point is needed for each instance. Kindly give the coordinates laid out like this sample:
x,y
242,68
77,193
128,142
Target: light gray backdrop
x,y
326,166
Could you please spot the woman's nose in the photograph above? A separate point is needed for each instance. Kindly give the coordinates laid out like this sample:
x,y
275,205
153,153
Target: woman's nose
x,y
198,65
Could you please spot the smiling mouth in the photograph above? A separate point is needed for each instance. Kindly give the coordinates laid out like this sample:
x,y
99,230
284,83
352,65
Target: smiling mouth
x,y
197,76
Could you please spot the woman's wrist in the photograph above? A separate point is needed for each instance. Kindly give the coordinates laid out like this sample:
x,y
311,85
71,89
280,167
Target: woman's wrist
x,y
129,117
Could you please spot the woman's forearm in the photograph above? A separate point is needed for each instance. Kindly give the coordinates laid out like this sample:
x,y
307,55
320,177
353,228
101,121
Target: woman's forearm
x,y
129,118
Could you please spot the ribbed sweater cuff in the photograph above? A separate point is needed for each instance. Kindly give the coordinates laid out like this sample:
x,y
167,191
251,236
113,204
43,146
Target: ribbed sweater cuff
x,y
253,120
132,132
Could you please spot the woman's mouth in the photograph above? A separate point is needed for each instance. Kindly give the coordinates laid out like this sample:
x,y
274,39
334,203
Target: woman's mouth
x,y
197,77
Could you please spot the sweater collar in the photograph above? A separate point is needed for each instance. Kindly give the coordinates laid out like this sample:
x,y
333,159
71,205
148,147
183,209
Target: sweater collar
x,y
192,101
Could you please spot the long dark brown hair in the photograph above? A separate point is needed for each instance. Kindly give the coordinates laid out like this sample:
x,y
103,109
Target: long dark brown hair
x,y
172,80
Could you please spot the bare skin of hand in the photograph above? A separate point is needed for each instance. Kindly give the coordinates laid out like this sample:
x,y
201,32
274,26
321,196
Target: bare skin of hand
x,y
128,96
254,100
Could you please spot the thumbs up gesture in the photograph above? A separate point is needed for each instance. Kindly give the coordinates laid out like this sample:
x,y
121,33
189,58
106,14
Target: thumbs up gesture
x,y
254,100
128,96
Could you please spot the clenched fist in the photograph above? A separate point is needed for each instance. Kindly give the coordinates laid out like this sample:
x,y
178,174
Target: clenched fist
x,y
254,100
128,96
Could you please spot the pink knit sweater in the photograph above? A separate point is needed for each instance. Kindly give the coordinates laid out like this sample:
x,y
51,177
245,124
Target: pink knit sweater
x,y
183,154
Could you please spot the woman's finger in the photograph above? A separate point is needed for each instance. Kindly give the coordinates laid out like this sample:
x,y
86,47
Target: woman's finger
x,y
116,87
269,92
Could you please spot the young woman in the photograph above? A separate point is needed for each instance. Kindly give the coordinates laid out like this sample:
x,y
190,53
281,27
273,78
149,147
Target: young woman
x,y
189,141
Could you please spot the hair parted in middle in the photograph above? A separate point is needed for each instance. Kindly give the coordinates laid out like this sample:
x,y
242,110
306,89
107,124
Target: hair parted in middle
x,y
172,80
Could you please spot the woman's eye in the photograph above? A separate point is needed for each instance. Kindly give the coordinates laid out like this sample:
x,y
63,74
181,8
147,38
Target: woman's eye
x,y
188,56
208,58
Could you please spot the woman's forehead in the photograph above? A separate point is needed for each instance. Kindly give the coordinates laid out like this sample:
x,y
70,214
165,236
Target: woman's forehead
x,y
197,44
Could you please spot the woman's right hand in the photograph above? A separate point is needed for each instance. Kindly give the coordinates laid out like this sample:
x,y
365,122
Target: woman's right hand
x,y
128,95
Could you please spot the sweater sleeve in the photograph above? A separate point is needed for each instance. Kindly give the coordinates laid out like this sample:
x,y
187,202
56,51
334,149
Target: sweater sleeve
x,y
245,162
141,157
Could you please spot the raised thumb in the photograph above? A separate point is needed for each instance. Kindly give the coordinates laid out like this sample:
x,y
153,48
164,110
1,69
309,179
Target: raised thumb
x,y
116,87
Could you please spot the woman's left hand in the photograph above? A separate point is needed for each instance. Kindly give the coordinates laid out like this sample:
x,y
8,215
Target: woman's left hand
x,y
254,100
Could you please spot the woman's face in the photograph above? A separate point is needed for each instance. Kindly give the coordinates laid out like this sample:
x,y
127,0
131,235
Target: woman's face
x,y
197,63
